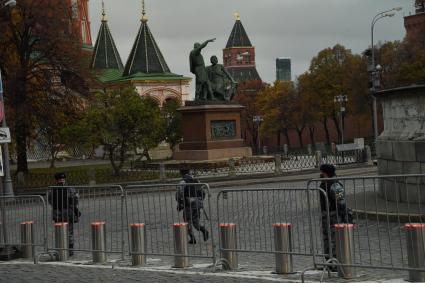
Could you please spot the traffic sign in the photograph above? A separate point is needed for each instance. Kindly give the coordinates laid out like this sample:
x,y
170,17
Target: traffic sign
x,y
5,135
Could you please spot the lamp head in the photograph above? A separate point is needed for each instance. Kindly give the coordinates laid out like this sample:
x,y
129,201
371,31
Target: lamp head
x,y
392,14
398,9
10,3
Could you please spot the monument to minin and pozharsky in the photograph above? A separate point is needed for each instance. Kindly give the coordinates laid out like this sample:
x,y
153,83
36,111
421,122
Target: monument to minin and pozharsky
x,y
211,124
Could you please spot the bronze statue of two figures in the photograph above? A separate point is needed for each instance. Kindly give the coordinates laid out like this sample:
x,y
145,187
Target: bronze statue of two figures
x,y
213,83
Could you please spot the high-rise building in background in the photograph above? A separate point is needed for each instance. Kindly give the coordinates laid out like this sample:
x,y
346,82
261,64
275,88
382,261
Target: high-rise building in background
x,y
283,69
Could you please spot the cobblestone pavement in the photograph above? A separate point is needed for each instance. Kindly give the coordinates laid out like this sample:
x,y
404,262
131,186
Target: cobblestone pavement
x,y
253,210
22,272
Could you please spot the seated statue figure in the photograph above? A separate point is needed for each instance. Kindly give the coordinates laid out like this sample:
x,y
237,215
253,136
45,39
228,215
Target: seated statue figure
x,y
222,84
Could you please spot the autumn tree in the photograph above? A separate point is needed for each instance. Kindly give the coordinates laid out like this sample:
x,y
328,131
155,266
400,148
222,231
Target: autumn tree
x,y
246,95
51,126
331,74
277,104
38,50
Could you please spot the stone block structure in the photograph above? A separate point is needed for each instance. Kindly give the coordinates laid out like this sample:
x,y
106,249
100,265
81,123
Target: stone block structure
x,y
401,146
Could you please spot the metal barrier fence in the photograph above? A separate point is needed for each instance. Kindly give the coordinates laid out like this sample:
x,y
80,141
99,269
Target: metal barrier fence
x,y
19,211
381,207
256,212
81,206
157,208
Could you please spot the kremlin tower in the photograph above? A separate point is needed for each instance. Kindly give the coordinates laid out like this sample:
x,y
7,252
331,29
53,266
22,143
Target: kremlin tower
x,y
239,54
81,21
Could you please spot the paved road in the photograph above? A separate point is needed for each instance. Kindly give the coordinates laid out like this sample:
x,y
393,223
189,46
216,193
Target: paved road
x,y
253,210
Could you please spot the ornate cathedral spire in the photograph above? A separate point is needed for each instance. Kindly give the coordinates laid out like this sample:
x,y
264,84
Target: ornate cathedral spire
x,y
145,56
105,55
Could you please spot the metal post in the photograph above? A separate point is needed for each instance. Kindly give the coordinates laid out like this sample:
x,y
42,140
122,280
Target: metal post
x,y
283,247
278,164
98,233
181,259
342,124
285,149
7,188
162,175
232,169
228,246
368,155
27,239
138,244
344,239
318,158
61,240
415,236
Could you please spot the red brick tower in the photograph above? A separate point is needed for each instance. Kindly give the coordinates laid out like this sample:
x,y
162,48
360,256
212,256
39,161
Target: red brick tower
x,y
80,14
239,54
414,22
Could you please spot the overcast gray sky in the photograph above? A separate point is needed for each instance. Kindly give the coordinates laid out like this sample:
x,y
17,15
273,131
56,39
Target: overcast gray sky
x,y
277,28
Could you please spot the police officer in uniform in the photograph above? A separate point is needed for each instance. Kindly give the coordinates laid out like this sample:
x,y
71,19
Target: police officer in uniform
x,y
190,198
64,201
338,210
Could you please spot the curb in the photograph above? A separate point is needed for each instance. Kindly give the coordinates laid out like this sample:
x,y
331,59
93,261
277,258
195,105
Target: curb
x,y
227,181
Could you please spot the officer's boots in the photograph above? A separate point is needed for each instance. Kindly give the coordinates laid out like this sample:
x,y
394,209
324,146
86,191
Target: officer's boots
x,y
205,233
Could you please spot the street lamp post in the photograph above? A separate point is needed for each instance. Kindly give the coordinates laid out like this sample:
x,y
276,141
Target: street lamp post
x,y
7,183
342,100
7,252
257,120
373,68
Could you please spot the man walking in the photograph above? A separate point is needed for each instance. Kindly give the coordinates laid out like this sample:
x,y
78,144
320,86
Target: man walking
x,y
338,210
190,198
64,201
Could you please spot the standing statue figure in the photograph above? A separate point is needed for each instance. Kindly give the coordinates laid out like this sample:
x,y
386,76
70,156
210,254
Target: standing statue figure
x,y
197,67
222,83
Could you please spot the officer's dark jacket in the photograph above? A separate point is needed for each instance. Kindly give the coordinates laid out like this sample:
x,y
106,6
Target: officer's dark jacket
x,y
64,202
335,193
190,189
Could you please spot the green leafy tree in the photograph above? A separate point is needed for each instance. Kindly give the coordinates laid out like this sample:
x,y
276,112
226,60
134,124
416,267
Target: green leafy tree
x,y
121,121
172,122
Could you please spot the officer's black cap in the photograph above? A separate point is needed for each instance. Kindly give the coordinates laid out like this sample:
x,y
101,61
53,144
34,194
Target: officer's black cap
x,y
329,169
59,176
184,171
